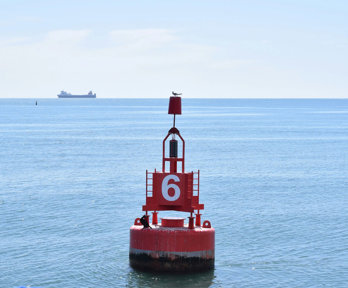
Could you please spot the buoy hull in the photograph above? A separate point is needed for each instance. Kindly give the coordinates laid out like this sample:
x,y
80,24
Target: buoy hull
x,y
172,249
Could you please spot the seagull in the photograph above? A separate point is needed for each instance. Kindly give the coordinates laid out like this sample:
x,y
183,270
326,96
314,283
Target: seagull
x,y
176,94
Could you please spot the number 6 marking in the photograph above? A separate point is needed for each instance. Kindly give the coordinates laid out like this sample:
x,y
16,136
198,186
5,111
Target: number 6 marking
x,y
166,187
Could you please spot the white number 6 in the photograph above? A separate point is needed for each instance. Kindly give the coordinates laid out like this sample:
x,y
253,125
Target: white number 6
x,y
166,187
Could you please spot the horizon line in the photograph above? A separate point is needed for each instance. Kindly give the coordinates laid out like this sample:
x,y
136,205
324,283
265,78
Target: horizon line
x,y
210,98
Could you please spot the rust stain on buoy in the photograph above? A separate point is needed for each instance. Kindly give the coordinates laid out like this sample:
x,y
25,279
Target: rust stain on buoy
x,y
172,245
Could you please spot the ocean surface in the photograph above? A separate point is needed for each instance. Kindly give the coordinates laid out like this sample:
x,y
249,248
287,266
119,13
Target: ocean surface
x,y
274,181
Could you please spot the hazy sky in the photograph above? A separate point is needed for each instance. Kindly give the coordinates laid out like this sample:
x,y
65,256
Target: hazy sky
x,y
295,48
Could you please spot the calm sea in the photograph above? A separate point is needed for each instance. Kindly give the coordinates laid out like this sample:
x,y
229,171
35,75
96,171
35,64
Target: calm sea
x,y
274,181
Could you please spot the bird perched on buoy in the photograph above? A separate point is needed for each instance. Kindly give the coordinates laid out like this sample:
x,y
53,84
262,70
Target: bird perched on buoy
x,y
143,221
176,94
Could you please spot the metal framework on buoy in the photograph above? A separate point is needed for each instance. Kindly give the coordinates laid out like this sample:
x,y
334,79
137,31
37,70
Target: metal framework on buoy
x,y
172,245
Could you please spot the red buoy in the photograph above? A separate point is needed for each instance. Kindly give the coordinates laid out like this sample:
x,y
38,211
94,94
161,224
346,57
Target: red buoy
x,y
172,245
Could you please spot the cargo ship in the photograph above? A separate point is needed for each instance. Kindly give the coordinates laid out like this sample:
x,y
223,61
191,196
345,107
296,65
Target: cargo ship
x,y
64,94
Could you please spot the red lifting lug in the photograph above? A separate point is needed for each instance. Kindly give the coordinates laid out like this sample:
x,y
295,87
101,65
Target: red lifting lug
x,y
137,222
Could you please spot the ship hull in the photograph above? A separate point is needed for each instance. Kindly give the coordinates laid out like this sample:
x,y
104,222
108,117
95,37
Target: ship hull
x,y
77,96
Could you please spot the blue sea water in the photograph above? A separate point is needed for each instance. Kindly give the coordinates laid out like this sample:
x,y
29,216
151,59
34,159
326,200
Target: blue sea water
x,y
274,181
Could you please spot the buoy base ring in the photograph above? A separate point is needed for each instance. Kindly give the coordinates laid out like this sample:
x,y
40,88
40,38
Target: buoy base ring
x,y
172,249
169,262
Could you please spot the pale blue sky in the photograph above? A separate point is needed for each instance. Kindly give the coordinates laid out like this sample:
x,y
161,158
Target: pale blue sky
x,y
149,48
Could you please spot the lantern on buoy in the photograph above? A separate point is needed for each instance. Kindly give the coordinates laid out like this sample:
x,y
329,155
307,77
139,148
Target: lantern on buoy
x,y
172,245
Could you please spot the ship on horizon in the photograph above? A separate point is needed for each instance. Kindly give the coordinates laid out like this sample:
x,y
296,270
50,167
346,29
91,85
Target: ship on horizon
x,y
64,94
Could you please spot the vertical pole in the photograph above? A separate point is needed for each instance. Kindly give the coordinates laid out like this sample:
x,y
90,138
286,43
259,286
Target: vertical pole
x,y
154,218
147,217
163,156
146,184
191,222
198,185
183,157
198,219
173,165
